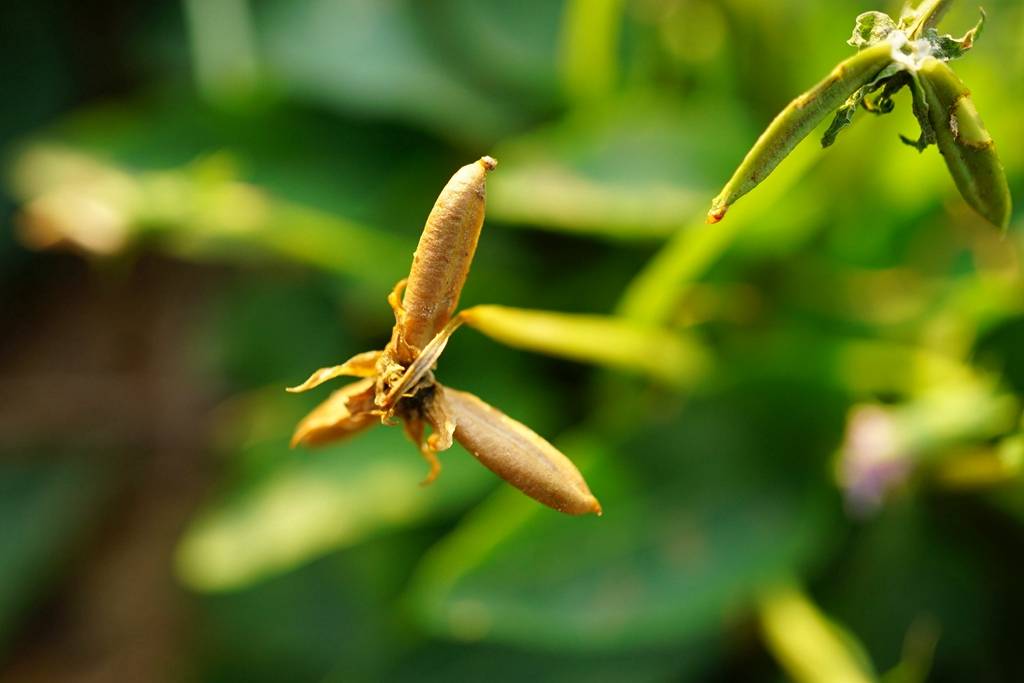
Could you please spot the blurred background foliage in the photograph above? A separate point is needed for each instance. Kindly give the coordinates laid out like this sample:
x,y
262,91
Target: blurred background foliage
x,y
804,425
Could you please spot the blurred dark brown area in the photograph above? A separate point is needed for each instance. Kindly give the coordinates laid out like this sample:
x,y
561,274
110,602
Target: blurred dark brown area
x,y
103,354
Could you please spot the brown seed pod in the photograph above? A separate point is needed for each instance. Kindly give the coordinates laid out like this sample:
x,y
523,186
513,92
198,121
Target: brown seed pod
x,y
399,383
443,256
518,455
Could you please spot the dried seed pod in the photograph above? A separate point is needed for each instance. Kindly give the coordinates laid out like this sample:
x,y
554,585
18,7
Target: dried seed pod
x,y
965,143
797,120
346,412
515,453
443,256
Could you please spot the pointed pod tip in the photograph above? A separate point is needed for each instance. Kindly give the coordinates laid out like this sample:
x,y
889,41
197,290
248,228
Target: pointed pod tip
x,y
716,214
596,506
489,163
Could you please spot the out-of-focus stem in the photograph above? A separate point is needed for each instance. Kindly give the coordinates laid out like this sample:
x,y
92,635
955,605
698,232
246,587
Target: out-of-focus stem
x,y
806,644
929,14
589,47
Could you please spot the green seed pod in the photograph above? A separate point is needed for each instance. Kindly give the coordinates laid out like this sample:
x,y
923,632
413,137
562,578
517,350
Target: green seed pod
x,y
445,251
797,120
515,453
965,143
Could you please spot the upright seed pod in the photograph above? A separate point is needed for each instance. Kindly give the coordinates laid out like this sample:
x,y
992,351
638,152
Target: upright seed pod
x,y
445,251
518,455
965,143
797,120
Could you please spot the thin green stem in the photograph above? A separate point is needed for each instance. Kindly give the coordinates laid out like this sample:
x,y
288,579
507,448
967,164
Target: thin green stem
x,y
929,13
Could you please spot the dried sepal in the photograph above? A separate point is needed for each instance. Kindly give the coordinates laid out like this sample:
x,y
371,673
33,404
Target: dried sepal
x,y
440,419
346,412
360,365
518,455
414,427
419,368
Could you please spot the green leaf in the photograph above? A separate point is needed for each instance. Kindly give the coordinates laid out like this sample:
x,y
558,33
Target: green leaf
x,y
871,28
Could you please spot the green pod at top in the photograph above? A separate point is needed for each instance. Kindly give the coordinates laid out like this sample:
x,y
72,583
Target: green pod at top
x,y
797,120
965,143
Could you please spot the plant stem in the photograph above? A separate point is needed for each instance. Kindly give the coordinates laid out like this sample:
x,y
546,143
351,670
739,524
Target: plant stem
x,y
929,13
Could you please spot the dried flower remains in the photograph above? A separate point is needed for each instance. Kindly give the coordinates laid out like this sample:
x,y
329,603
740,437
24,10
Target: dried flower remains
x,y
398,382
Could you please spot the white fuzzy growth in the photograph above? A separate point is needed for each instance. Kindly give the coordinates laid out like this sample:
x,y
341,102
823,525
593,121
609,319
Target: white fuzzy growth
x,y
909,53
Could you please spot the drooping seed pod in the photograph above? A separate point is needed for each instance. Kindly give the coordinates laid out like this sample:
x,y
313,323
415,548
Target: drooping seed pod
x,y
965,143
514,452
443,256
797,120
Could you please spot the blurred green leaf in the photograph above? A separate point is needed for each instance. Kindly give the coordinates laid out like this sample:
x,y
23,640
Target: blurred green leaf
x,y
658,288
201,211
441,662
511,47
333,619
628,169
373,58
